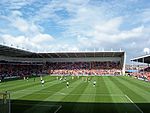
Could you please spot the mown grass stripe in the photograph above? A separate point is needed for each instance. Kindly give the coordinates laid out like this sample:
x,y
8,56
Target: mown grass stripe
x,y
10,83
29,90
78,90
90,91
135,96
88,96
114,90
121,99
137,83
144,93
66,91
56,88
23,85
102,88
53,88
141,82
78,94
63,92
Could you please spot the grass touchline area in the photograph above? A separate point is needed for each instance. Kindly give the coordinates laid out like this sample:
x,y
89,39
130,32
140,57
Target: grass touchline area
x,y
127,93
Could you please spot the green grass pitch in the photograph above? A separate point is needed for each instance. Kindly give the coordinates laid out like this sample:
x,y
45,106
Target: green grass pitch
x,y
112,94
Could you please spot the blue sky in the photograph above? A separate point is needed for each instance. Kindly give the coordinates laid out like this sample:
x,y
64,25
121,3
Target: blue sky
x,y
76,25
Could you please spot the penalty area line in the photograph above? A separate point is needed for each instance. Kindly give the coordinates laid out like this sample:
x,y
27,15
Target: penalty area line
x,y
134,104
58,109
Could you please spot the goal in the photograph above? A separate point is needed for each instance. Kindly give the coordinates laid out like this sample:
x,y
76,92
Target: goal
x,y
5,102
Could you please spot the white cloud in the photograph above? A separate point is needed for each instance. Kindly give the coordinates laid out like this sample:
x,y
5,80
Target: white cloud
x,y
40,38
103,38
78,1
34,44
88,24
20,24
15,4
110,26
63,47
133,33
19,40
16,13
146,15
23,25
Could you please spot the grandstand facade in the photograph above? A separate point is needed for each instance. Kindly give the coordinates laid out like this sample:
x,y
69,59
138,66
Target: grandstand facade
x,y
72,63
144,73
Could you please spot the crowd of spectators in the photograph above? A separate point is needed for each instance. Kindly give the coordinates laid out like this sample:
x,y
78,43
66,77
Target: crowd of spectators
x,y
85,68
135,67
143,74
86,72
85,65
59,68
11,70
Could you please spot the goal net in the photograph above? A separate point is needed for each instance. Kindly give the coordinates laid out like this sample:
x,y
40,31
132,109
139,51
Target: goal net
x,y
4,102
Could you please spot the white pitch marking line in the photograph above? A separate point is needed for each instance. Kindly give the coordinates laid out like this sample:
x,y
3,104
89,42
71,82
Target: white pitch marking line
x,y
134,104
62,93
58,109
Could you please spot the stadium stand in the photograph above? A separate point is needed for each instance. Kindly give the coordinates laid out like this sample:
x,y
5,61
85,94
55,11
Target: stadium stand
x,y
142,74
86,68
17,62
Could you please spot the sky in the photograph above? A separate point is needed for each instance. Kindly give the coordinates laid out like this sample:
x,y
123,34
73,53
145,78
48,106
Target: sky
x,y
76,25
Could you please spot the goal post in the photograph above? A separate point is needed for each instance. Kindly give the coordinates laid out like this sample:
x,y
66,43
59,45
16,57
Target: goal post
x,y
5,102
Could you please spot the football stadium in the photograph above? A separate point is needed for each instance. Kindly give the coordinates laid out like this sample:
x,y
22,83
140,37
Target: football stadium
x,y
74,56
71,82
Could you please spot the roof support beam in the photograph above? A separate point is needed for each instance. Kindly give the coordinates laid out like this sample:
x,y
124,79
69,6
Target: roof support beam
x,y
49,55
76,55
113,54
103,54
58,55
40,55
85,54
67,55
